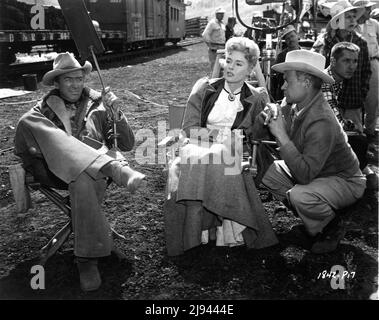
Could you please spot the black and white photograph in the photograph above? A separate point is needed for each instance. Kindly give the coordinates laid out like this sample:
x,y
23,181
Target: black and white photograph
x,y
189,157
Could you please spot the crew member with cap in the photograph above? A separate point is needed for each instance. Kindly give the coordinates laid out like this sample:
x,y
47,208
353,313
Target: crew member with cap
x,y
341,28
369,29
291,40
318,173
214,35
53,139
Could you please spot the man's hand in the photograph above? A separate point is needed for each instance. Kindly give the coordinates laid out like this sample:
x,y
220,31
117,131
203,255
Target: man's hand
x,y
111,102
278,128
349,125
271,111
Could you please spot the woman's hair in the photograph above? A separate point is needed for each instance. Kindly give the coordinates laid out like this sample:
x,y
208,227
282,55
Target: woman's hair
x,y
246,46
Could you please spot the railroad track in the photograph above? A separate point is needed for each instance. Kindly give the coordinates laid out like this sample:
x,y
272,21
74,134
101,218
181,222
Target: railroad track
x,y
40,67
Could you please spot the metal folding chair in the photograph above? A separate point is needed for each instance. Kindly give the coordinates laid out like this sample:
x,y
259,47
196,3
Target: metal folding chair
x,y
30,183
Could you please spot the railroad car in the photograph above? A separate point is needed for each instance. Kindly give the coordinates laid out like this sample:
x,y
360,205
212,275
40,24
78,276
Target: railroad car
x,y
122,25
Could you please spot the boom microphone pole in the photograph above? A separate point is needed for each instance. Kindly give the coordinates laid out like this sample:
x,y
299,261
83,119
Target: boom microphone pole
x,y
88,44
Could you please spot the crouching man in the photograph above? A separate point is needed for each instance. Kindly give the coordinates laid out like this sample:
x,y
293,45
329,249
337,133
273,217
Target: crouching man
x,y
318,173
53,141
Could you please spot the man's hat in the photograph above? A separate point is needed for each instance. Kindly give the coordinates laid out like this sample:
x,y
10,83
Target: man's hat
x,y
305,61
287,30
64,63
339,9
220,10
375,13
363,3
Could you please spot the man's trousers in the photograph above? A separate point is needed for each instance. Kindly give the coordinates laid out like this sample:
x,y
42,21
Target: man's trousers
x,y
315,202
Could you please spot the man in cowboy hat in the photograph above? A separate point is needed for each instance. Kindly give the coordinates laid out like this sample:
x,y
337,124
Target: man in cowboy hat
x,y
53,141
291,40
214,35
318,173
340,28
369,29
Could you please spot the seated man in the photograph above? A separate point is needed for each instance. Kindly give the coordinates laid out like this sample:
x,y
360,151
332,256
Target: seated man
x,y
343,64
49,139
319,173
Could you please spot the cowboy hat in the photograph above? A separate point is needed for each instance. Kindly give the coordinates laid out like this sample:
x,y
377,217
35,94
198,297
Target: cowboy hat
x,y
305,61
64,63
288,29
375,13
220,10
363,3
338,10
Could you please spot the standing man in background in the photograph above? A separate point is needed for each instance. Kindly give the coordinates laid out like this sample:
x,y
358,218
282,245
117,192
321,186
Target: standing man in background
x,y
368,28
291,39
214,35
229,28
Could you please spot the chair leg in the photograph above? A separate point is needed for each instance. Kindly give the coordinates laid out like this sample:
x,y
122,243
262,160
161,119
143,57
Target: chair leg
x,y
55,243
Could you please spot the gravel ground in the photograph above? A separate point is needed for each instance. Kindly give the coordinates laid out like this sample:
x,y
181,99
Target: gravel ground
x,y
285,271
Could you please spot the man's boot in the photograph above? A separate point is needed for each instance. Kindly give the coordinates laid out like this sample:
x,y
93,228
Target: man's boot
x,y
90,279
124,176
330,237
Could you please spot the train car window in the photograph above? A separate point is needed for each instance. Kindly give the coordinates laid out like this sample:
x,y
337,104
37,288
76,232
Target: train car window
x,y
172,12
115,1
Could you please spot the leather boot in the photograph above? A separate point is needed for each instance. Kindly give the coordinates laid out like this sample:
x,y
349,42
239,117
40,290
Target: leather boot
x,y
90,279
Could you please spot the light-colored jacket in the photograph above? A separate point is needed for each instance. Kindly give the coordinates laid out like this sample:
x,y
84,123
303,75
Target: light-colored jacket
x,y
47,129
370,32
214,34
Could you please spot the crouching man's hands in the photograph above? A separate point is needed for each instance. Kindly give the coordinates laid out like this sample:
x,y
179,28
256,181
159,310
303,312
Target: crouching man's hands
x,y
276,123
349,125
112,103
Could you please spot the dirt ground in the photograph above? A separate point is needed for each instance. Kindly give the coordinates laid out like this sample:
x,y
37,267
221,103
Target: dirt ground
x,y
285,271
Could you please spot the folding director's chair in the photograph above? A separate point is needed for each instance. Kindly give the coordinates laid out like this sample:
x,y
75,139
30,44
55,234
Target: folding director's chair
x,y
22,183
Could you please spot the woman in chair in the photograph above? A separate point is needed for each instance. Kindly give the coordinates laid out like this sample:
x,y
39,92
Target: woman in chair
x,y
213,199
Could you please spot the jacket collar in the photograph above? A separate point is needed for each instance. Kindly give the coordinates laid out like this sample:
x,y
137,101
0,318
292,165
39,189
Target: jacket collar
x,y
214,86
58,105
59,108
313,105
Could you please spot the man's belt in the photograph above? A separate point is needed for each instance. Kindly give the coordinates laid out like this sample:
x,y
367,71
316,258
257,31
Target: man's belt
x,y
374,58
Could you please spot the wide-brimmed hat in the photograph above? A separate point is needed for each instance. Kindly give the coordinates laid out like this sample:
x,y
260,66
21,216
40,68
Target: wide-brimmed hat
x,y
339,9
363,3
220,10
287,30
305,61
374,13
64,63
